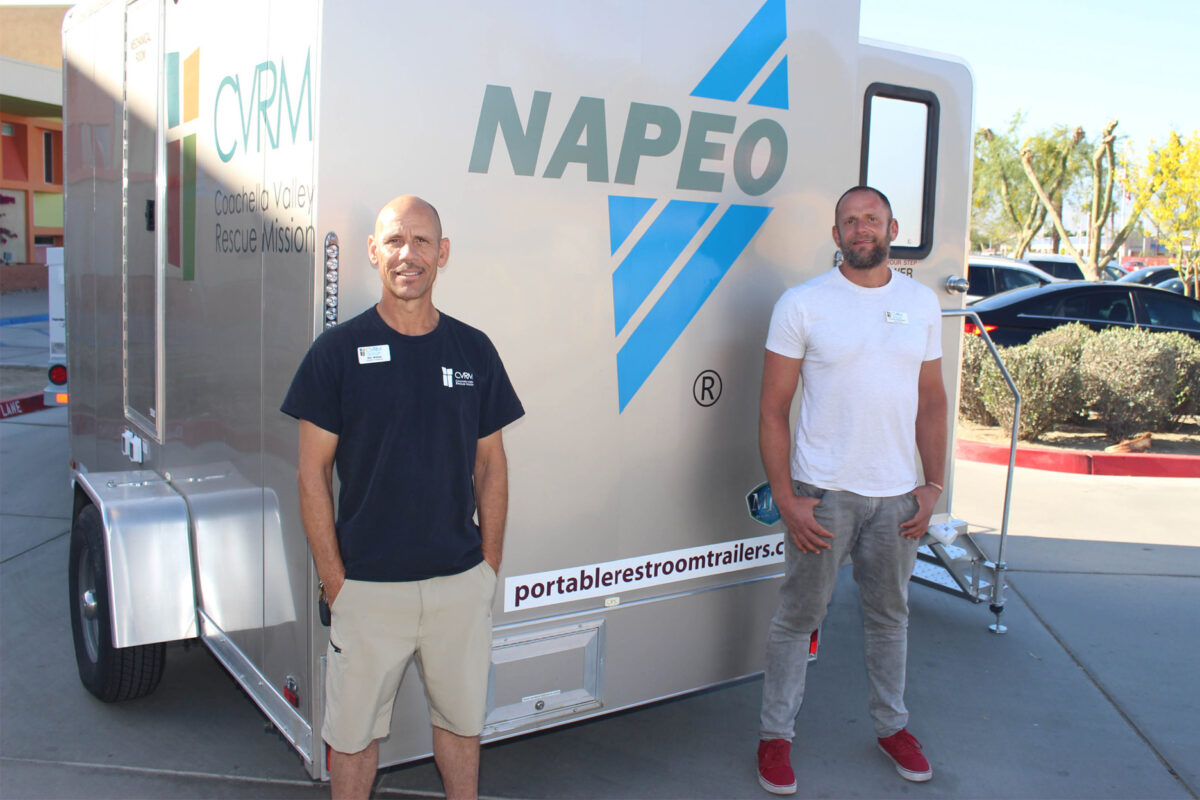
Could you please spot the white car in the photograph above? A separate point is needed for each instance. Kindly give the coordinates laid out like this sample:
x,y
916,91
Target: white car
x,y
989,275
1065,267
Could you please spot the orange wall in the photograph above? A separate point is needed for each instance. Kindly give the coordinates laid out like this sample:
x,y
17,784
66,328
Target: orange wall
x,y
33,33
22,168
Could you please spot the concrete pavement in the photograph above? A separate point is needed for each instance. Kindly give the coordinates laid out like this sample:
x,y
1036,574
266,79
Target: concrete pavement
x,y
24,349
1092,693
24,329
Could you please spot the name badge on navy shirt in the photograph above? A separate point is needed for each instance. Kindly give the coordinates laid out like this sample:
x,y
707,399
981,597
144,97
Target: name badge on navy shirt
x,y
376,354
896,317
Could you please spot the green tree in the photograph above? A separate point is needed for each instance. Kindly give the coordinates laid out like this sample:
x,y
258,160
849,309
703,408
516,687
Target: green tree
x,y
1005,207
1103,175
1174,210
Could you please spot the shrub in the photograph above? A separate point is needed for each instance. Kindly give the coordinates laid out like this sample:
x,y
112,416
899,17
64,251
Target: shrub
x,y
1187,374
1069,340
970,401
1048,380
1130,377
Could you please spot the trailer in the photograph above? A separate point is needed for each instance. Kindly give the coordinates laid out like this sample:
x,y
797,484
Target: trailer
x,y
56,392
629,187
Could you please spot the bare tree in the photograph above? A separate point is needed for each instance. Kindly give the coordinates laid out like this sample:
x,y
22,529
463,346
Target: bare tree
x,y
1004,205
1102,165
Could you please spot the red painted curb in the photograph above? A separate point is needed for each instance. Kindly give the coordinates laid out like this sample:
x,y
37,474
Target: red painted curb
x,y
15,406
1083,462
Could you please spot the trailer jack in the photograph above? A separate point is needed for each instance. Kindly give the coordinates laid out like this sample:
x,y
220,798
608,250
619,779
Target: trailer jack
x,y
997,604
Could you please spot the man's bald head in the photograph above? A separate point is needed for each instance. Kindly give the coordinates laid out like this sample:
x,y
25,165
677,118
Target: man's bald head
x,y
405,203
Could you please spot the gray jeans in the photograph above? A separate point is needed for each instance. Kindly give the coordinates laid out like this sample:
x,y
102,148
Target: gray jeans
x,y
867,529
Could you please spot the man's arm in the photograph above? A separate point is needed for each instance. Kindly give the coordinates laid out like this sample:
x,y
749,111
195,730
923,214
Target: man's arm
x,y
780,377
931,445
315,478
491,496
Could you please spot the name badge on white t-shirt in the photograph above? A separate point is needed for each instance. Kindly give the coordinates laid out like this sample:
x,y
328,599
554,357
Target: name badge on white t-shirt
x,y
377,353
896,317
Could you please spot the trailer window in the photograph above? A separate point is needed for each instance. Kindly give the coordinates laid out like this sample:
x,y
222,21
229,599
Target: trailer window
x,y
899,157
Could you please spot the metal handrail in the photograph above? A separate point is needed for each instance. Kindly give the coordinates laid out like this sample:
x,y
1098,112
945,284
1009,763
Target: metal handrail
x,y
997,604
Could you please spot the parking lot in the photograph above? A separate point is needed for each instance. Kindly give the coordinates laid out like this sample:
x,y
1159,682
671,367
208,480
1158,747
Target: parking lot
x,y
1091,694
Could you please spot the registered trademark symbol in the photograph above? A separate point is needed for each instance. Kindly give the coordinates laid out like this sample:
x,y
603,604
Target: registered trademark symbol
x,y
707,388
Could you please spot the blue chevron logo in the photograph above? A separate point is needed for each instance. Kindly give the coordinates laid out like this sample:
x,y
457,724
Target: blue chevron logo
x,y
678,222
746,56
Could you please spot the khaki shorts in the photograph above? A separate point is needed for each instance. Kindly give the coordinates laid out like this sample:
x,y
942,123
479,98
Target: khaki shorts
x,y
377,627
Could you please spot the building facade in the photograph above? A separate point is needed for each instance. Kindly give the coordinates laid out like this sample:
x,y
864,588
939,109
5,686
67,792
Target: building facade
x,y
31,132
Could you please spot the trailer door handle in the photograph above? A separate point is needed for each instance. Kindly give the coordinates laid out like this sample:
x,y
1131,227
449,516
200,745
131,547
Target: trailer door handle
x,y
150,215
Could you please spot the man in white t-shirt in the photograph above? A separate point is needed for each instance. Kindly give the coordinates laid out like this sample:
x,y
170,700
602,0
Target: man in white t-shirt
x,y
867,342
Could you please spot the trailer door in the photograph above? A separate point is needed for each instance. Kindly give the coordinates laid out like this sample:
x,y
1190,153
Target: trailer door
x,y
916,148
141,278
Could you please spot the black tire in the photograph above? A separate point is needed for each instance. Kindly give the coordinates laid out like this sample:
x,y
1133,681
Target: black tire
x,y
110,673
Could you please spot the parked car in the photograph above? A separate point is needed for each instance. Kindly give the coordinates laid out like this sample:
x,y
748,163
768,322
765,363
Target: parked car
x,y
1056,264
1150,276
1061,266
1172,285
1111,272
1014,317
989,275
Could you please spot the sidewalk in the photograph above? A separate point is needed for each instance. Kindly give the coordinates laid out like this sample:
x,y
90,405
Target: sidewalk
x,y
25,303
24,351
24,342
1091,694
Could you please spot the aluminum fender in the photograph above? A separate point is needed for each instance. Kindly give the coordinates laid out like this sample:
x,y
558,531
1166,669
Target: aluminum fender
x,y
238,548
149,560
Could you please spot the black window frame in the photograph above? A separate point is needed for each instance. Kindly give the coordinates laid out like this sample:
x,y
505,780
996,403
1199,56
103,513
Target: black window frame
x,y
929,189
48,156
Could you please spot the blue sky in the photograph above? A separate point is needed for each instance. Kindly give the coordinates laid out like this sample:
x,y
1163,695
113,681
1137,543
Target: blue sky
x,y
1065,62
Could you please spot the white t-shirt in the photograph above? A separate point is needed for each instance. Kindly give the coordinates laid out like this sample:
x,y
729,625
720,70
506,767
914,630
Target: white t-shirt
x,y
862,350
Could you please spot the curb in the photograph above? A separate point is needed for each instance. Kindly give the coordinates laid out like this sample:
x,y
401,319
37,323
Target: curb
x,y
15,406
4,321
1084,462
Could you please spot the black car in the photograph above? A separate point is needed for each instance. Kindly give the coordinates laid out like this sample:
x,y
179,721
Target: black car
x,y
1175,285
1150,276
1015,317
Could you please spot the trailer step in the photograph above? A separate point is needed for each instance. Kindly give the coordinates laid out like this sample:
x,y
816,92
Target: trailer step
x,y
935,575
961,569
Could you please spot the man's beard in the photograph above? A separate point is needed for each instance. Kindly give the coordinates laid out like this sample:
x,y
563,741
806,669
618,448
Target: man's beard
x,y
869,260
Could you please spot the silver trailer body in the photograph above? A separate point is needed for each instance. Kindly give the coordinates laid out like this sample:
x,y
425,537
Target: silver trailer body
x,y
628,187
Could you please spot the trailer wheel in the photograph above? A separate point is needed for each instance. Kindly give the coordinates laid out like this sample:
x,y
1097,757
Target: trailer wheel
x,y
110,673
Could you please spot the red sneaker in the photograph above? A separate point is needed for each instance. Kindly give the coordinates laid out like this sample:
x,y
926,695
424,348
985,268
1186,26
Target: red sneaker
x,y
905,752
775,766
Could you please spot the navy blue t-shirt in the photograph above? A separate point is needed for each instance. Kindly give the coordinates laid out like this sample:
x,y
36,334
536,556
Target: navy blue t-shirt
x,y
409,412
